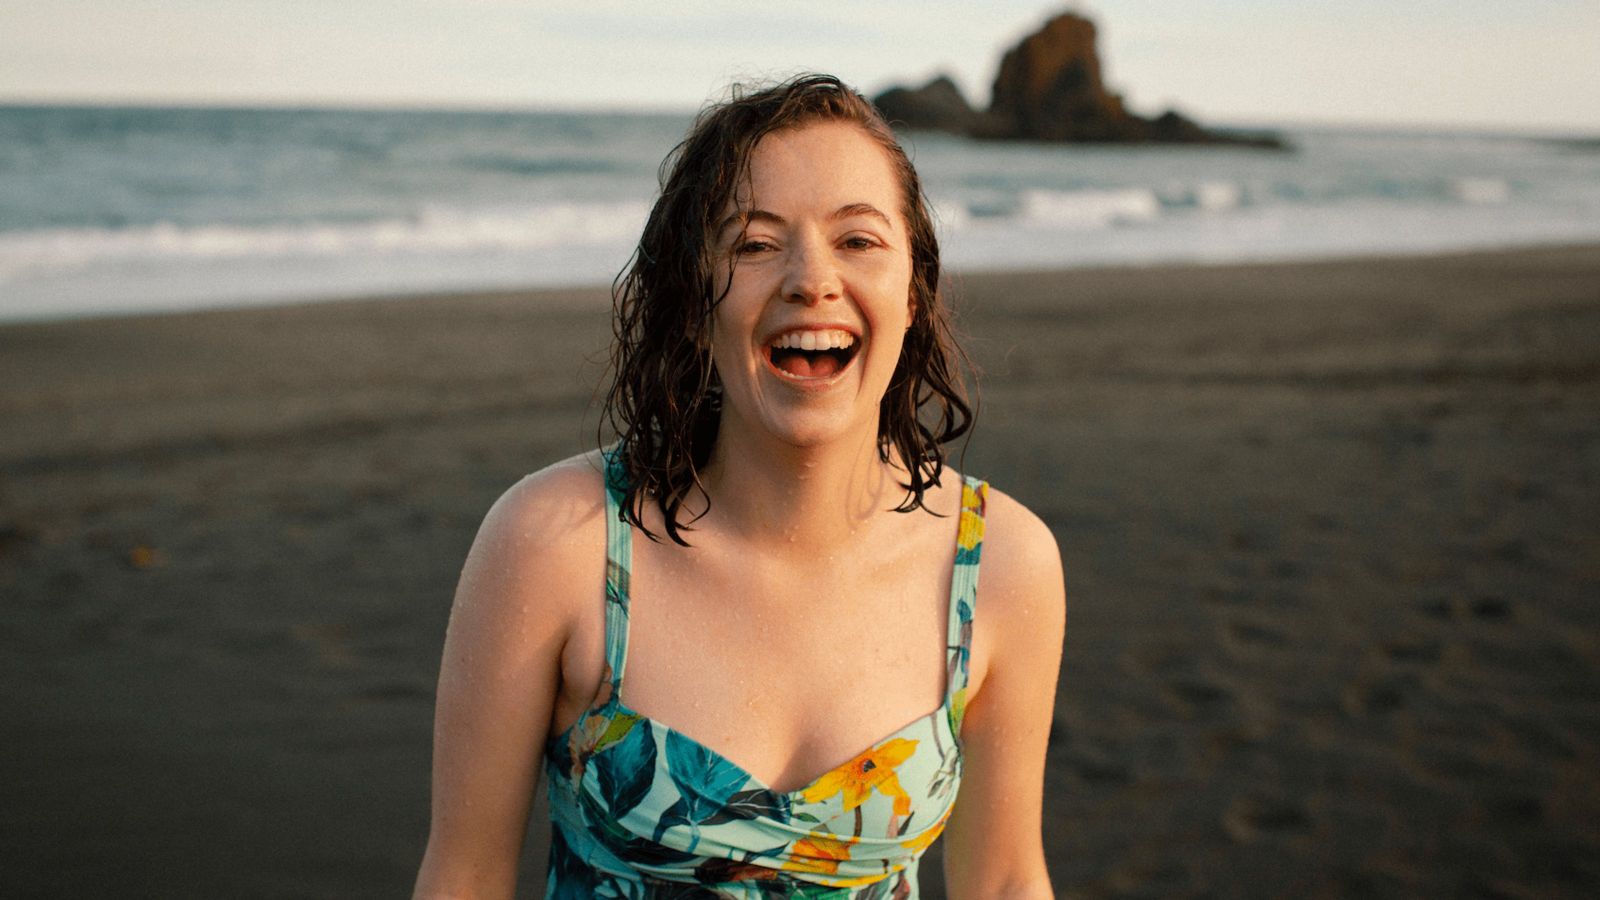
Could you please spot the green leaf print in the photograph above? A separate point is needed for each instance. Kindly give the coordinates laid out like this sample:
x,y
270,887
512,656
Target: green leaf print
x,y
705,780
627,770
751,804
616,730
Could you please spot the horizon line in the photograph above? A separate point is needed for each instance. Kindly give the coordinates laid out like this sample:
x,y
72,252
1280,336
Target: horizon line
x,y
459,105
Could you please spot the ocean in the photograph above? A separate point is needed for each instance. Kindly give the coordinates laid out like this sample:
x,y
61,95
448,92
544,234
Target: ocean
x,y
108,210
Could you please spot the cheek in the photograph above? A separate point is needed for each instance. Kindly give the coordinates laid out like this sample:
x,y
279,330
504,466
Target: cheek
x,y
903,308
730,338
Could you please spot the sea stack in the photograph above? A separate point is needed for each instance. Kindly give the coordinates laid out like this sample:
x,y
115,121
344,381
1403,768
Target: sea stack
x,y
936,106
1050,88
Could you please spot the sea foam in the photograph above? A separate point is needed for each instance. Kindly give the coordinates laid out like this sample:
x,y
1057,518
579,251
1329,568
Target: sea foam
x,y
123,209
433,231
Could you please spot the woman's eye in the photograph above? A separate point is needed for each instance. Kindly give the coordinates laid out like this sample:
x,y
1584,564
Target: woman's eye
x,y
857,242
752,245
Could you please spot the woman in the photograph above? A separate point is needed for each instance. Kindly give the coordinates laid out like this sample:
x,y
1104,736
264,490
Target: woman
x,y
807,588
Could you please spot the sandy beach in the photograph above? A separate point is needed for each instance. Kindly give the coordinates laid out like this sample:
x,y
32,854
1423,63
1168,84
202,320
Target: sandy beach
x,y
1331,533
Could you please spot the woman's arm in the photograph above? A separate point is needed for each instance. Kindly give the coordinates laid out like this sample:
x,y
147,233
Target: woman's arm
x,y
993,845
519,596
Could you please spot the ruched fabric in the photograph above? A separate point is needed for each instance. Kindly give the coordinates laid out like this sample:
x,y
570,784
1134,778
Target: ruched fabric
x,y
639,810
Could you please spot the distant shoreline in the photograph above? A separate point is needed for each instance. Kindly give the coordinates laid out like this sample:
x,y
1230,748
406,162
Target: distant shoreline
x,y
109,211
1245,123
592,295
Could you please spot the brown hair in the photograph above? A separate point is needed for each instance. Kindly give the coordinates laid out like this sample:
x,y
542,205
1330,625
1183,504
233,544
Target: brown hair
x,y
665,400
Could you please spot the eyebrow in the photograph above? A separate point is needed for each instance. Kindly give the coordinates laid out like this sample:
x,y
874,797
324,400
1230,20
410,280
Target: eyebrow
x,y
861,209
844,212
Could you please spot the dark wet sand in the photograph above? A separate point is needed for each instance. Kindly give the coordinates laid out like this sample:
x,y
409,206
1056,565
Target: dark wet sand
x,y
1332,535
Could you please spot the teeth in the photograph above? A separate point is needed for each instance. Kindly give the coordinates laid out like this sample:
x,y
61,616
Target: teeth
x,y
832,339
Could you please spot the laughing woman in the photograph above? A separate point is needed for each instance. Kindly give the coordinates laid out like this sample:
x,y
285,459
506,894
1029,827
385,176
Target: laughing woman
x,y
747,645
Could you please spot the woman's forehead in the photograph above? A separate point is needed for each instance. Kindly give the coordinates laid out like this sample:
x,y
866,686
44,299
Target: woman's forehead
x,y
821,167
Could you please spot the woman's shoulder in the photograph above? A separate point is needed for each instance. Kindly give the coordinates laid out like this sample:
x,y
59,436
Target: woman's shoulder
x,y
1021,559
550,524
572,487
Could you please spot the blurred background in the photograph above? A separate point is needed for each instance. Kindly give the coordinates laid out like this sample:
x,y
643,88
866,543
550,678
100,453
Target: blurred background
x,y
181,154
289,293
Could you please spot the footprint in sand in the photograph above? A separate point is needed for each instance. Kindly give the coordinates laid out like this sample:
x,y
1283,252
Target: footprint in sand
x,y
1100,771
1487,608
1491,609
1250,818
1201,697
1382,695
1422,650
1437,608
1249,633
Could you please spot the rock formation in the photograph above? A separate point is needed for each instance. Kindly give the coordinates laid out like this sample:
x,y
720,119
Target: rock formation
x,y
1049,88
936,106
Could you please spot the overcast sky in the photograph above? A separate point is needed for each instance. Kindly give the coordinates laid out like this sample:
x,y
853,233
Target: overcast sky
x,y
1527,64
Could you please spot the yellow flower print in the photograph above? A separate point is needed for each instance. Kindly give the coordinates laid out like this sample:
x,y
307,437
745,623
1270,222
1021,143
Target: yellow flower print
x,y
970,532
819,854
857,778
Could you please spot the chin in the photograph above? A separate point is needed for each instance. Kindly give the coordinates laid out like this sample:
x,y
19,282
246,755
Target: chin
x,y
816,428
811,435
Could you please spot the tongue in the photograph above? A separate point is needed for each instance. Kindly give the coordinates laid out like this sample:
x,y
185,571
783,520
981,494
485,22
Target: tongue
x,y
806,365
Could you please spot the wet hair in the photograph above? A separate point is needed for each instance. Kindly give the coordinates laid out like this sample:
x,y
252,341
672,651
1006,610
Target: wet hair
x,y
665,399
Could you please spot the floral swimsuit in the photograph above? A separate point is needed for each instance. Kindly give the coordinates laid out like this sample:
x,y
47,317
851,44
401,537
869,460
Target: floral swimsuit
x,y
639,810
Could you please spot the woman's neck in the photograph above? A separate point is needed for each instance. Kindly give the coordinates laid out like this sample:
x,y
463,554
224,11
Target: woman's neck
x,y
808,497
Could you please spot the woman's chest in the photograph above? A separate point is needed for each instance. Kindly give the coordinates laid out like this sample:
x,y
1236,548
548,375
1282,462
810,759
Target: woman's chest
x,y
787,667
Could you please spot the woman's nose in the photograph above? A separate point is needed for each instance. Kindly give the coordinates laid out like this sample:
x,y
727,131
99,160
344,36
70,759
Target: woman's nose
x,y
812,276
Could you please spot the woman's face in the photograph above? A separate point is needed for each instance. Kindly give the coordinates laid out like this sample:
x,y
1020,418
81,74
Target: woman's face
x,y
808,335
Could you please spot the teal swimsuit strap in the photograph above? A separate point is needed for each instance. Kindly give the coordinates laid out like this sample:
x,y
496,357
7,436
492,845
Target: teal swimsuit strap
x,y
964,597
619,564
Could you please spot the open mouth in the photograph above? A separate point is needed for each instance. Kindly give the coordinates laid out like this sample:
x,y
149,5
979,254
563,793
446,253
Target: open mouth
x,y
812,354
